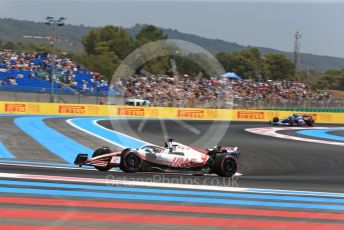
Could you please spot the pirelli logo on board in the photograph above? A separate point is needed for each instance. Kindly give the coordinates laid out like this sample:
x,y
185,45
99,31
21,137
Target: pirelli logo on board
x,y
72,109
137,112
190,113
16,108
250,115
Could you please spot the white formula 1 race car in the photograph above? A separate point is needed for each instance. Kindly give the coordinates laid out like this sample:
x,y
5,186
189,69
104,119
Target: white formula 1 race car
x,y
171,158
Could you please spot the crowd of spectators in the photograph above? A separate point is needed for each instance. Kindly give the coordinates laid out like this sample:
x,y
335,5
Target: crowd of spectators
x,y
215,91
40,65
160,90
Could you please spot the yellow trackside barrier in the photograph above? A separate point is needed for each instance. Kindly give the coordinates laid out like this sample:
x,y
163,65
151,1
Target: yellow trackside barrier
x,y
174,113
33,108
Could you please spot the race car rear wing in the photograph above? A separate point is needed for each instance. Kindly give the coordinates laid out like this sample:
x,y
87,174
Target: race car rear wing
x,y
229,150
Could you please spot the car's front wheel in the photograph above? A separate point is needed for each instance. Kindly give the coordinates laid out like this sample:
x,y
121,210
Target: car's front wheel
x,y
275,119
309,122
99,152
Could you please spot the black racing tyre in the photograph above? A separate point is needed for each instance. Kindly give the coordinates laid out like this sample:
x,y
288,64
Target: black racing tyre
x,y
130,162
225,166
309,122
275,119
99,152
297,123
291,122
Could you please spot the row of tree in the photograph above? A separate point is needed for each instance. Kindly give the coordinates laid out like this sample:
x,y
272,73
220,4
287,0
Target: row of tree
x,y
27,47
331,79
105,48
251,64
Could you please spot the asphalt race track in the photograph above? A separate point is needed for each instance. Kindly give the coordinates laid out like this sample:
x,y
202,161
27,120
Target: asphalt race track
x,y
283,184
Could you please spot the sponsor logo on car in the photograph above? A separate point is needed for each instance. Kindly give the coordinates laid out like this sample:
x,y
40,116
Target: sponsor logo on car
x,y
15,108
72,109
250,115
190,113
137,112
180,162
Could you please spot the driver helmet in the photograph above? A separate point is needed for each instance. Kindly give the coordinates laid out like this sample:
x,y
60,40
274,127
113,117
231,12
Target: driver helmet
x,y
296,116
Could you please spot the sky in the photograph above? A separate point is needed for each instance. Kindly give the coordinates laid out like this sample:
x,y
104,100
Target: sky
x,y
269,24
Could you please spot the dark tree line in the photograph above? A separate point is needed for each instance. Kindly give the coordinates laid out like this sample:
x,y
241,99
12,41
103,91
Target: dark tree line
x,y
105,48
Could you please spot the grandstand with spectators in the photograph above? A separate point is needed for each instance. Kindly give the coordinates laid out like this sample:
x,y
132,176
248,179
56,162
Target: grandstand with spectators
x,y
31,72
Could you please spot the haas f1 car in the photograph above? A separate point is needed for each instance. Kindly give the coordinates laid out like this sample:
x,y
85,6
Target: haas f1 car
x,y
171,158
294,120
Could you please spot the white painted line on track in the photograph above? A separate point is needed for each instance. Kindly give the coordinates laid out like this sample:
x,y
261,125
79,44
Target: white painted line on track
x,y
95,122
118,182
93,169
272,132
70,121
45,166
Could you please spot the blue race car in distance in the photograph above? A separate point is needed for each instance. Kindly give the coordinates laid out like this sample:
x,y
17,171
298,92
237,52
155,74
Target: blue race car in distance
x,y
294,120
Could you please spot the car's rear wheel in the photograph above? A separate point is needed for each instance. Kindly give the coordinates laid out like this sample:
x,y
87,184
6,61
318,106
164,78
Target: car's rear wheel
x,y
100,152
274,121
130,162
225,166
309,122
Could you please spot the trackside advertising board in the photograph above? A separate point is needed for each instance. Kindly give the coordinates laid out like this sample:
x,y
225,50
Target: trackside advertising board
x,y
55,109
